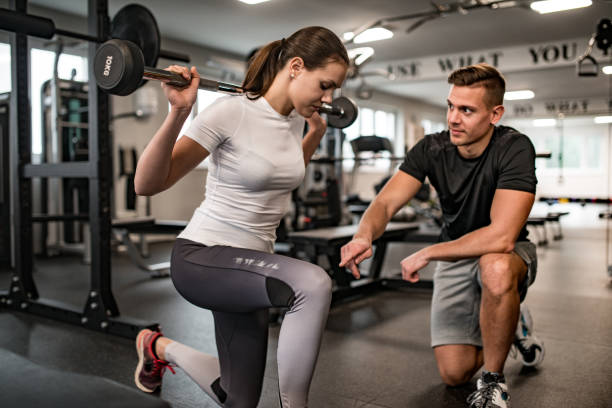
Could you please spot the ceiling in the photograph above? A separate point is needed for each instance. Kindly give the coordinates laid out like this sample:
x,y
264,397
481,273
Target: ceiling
x,y
238,28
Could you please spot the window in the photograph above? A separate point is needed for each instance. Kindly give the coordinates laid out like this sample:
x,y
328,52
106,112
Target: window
x,y
371,122
5,68
577,144
43,60
432,126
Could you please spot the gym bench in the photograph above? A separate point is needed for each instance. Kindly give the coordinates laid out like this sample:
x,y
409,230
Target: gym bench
x,y
553,218
539,224
328,241
123,228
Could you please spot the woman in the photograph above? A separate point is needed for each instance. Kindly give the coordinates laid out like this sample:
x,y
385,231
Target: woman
x,y
223,260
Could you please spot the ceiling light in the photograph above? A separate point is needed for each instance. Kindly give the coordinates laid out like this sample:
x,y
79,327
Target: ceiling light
x,y
504,4
603,119
551,6
516,95
544,122
253,1
607,70
360,54
348,36
373,34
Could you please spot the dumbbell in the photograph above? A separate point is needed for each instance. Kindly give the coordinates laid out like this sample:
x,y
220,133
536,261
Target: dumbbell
x,y
119,68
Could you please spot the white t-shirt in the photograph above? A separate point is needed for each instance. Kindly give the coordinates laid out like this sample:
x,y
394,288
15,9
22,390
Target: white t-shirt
x,y
256,160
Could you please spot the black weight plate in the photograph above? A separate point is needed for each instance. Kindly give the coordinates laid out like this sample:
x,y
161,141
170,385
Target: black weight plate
x,y
109,65
350,113
118,67
137,24
135,69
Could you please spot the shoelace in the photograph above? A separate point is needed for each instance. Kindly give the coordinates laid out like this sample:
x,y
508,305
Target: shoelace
x,y
159,366
483,397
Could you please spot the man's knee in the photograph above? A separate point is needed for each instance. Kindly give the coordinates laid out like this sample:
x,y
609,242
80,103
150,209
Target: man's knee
x,y
457,363
455,376
497,274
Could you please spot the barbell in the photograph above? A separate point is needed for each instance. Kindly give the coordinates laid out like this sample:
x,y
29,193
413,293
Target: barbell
x,y
119,68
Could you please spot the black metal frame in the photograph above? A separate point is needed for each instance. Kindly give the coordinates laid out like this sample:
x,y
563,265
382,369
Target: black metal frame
x,y
5,201
100,312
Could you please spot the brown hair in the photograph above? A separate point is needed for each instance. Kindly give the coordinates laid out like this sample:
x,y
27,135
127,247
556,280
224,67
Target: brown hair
x,y
481,75
317,46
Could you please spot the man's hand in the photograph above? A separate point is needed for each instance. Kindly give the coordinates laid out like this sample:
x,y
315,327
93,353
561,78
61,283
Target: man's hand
x,y
412,264
353,253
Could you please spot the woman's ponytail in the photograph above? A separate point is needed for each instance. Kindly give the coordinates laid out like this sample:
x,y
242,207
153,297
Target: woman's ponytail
x,y
317,46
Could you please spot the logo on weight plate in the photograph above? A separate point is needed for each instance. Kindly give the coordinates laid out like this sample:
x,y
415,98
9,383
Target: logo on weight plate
x,y
107,65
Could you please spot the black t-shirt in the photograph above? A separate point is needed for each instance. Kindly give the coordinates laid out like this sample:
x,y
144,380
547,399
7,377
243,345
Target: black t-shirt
x,y
466,186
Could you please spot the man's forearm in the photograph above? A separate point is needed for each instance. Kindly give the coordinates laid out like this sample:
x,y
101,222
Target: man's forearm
x,y
485,240
373,222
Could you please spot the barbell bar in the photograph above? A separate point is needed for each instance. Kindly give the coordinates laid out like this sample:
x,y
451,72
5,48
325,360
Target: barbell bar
x,y
119,67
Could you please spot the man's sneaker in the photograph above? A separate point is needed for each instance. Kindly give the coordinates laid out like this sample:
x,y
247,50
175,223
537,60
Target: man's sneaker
x,y
526,346
491,392
150,369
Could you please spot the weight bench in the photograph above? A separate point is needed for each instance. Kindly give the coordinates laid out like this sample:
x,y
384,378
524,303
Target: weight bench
x,y
539,226
123,229
553,218
328,241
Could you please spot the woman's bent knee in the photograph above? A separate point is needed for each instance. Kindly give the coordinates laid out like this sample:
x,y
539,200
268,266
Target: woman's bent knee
x,y
317,281
314,287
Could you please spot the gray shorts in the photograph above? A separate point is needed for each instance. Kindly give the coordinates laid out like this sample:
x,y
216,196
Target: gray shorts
x,y
455,306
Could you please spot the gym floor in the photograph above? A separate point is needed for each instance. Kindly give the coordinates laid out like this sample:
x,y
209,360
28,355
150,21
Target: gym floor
x,y
375,351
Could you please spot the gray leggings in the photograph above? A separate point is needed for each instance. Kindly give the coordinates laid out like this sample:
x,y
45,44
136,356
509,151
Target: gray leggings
x,y
239,286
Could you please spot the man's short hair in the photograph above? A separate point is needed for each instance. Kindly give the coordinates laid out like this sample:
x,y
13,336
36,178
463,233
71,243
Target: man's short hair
x,y
484,75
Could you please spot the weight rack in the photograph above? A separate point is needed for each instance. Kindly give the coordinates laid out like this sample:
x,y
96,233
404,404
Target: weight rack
x,y
100,312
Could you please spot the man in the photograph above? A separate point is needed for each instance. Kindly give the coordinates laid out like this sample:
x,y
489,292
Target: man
x,y
485,179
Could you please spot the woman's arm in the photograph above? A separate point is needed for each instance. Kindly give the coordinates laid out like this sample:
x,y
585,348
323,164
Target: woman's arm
x,y
184,157
316,129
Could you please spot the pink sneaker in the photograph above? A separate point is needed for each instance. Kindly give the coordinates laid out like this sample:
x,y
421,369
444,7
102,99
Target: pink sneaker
x,y
150,369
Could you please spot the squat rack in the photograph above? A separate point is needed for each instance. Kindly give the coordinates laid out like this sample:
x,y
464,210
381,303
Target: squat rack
x,y
100,311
